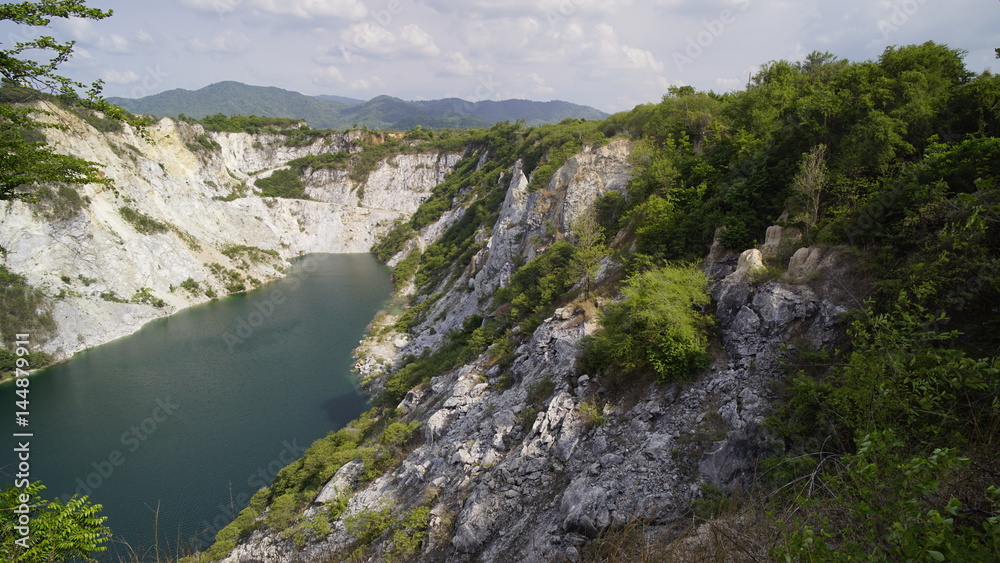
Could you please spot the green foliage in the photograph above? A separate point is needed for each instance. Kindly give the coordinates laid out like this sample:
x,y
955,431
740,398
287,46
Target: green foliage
x,y
192,286
283,183
588,238
252,253
369,524
233,280
8,362
240,528
904,372
284,510
416,314
142,223
247,123
406,531
409,533
462,345
882,505
457,245
25,160
592,413
59,532
144,295
237,191
23,308
393,241
536,287
403,272
112,297
398,434
60,204
202,144
658,327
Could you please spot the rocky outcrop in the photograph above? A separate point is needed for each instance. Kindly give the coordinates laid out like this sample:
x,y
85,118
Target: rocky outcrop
x,y
187,183
532,462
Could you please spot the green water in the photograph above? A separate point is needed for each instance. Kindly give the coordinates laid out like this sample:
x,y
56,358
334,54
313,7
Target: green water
x,y
195,412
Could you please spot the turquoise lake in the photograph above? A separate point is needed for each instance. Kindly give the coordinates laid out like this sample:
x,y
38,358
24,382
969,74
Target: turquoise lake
x,y
179,423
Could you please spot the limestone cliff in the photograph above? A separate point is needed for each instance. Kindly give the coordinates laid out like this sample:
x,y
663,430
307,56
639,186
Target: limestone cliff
x,y
183,209
530,462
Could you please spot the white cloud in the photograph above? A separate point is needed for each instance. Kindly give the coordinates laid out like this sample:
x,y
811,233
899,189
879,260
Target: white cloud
x,y
375,41
454,63
119,77
351,10
538,84
370,83
606,53
327,76
543,8
729,83
113,44
310,9
228,41
142,36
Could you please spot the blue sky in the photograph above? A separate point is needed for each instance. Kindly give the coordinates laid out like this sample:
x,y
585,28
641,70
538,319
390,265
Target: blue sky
x,y
610,54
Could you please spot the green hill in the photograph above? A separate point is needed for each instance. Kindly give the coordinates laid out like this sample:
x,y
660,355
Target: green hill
x,y
337,112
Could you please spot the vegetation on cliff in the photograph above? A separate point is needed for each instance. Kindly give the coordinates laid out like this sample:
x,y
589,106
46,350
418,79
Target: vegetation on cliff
x,y
889,443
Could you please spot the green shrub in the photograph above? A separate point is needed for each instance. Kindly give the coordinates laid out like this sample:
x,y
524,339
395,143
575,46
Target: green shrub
x,y
403,272
254,254
535,287
369,524
191,286
283,511
284,183
240,528
658,327
23,309
145,296
141,222
398,434
393,241
61,204
112,297
881,504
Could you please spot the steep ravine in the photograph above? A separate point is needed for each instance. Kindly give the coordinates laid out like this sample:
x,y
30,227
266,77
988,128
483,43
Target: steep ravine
x,y
91,261
509,476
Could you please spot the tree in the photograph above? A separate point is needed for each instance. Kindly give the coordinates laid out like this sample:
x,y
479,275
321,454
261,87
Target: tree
x,y
589,238
24,159
808,186
58,532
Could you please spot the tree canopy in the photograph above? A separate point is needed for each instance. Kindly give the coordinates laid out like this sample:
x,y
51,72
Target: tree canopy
x,y
28,70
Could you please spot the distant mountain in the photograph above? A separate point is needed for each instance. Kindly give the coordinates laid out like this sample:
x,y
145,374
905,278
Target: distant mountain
x,y
342,99
337,112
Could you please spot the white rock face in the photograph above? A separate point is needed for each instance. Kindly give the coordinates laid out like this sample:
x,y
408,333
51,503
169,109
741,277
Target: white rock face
x,y
180,185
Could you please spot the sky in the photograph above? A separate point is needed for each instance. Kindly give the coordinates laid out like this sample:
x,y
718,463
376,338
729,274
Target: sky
x,y
610,54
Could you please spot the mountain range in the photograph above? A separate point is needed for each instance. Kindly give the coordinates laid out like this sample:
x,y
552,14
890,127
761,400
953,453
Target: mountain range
x,y
338,112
